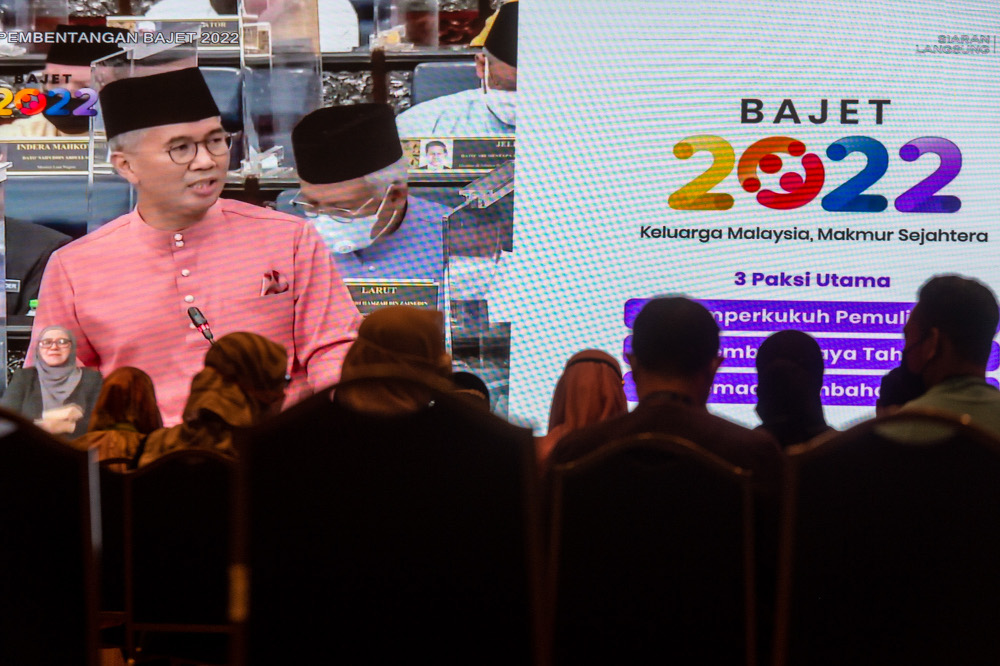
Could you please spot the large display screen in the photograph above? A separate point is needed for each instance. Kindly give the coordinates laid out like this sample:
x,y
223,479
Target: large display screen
x,y
790,165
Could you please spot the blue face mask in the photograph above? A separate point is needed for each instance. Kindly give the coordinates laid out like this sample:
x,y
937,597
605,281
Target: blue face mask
x,y
344,234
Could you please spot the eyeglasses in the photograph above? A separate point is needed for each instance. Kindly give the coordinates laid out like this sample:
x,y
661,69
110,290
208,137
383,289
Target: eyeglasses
x,y
217,144
312,210
49,344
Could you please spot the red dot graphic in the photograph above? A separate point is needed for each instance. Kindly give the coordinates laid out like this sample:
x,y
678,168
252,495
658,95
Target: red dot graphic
x,y
751,184
791,181
796,148
770,163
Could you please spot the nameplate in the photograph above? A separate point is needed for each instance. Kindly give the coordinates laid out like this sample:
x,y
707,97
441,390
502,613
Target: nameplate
x,y
12,286
45,156
371,295
218,33
443,155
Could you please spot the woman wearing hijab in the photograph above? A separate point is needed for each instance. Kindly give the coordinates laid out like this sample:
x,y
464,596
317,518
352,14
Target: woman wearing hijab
x,y
589,391
243,382
789,380
126,412
57,394
396,341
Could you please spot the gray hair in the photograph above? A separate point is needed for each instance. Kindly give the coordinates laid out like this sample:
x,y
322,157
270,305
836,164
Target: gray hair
x,y
393,174
126,140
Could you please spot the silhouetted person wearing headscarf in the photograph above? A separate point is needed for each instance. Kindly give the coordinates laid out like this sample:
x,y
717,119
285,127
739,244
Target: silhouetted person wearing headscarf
x,y
401,341
243,382
126,412
589,391
789,380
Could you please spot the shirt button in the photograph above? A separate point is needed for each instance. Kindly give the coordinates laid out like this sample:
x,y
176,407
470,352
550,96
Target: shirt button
x,y
185,273
178,236
179,243
189,299
371,268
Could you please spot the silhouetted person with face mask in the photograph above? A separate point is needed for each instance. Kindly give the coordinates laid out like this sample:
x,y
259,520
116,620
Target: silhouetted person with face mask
x,y
948,339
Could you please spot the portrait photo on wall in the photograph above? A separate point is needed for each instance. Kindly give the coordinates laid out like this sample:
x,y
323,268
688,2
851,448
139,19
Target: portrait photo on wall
x,y
436,154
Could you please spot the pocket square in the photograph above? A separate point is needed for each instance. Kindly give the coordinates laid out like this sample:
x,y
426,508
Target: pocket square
x,y
273,283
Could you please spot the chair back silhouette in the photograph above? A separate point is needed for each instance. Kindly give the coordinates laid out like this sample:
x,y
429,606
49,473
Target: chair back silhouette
x,y
375,539
437,79
177,554
112,598
890,543
49,537
651,556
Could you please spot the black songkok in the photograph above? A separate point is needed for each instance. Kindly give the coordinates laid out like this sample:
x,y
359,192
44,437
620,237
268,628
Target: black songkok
x,y
341,143
88,44
181,96
501,41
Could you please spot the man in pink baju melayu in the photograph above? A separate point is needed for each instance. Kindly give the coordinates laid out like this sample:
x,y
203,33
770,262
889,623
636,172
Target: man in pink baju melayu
x,y
125,289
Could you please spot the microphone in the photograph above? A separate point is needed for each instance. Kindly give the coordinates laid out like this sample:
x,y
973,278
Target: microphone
x,y
199,321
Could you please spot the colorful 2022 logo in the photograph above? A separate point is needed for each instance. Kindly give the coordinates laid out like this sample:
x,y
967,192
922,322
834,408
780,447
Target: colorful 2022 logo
x,y
32,101
799,190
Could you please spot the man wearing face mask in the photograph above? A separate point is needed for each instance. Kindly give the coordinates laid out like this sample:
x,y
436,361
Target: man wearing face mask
x,y
68,66
489,110
354,191
948,337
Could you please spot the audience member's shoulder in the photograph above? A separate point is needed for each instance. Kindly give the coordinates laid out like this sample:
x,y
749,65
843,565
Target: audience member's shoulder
x,y
17,229
579,443
457,411
737,433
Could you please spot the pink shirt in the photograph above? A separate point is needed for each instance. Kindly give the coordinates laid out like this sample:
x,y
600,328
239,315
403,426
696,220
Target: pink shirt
x,y
124,291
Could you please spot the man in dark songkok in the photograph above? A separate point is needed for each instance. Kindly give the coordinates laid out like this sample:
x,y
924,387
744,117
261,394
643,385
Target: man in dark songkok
x,y
789,380
125,290
491,109
67,66
354,191
243,383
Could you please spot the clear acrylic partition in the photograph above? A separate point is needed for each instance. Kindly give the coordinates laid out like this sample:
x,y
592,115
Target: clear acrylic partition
x,y
3,269
45,16
282,67
15,19
108,195
477,236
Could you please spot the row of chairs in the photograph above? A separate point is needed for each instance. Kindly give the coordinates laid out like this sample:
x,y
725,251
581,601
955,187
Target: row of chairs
x,y
420,536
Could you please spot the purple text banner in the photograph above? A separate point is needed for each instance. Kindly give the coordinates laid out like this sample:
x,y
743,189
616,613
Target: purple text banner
x,y
838,353
838,390
808,316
